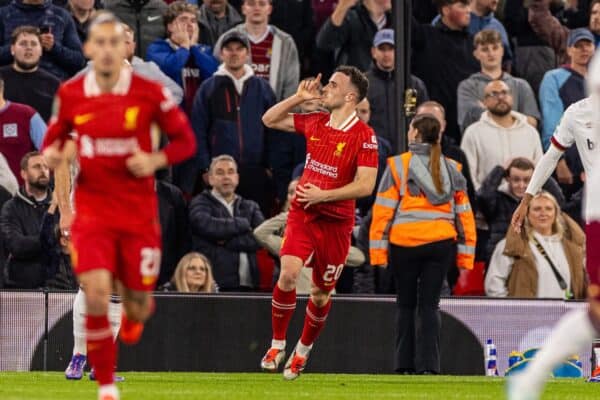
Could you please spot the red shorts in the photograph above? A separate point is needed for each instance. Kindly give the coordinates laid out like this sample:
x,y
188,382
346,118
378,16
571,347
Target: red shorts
x,y
132,257
320,243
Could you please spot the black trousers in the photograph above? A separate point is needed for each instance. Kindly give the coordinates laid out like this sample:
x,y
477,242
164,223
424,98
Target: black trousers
x,y
419,273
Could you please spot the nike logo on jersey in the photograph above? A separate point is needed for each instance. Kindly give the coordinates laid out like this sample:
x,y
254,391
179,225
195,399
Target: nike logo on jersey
x,y
314,139
83,118
153,18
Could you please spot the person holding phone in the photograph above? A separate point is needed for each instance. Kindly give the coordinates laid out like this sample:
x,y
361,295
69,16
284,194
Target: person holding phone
x,y
62,55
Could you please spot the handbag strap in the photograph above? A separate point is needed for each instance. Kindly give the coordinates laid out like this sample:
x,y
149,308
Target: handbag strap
x,y
557,275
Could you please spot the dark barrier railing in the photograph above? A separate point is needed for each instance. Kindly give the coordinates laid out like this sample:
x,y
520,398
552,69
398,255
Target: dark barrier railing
x,y
230,332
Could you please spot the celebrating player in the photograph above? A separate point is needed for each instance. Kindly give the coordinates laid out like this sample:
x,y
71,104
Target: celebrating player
x,y
115,231
341,165
580,125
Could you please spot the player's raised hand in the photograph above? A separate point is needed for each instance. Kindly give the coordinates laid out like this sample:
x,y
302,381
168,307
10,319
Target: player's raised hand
x,y
142,164
310,194
308,89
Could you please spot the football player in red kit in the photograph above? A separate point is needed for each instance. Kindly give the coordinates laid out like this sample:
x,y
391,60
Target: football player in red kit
x,y
341,165
115,233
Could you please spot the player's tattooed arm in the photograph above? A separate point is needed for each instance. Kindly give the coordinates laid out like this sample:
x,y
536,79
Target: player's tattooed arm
x,y
63,185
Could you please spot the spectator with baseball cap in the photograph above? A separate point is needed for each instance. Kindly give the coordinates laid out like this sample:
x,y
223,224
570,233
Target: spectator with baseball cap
x,y
382,86
565,85
226,118
273,53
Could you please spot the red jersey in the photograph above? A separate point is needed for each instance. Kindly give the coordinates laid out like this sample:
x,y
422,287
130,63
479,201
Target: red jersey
x,y
261,56
109,128
333,156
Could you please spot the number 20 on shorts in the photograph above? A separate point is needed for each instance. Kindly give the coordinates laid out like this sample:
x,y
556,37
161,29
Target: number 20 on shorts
x,y
333,272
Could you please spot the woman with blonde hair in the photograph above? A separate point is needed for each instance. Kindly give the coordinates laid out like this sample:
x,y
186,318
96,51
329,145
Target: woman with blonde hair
x,y
422,225
193,275
544,260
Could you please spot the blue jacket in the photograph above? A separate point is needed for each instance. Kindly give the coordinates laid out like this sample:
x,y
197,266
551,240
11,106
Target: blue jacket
x,y
222,237
228,123
65,58
172,61
560,88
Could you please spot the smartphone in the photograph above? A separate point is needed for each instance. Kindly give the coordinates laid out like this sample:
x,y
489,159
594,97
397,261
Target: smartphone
x,y
45,29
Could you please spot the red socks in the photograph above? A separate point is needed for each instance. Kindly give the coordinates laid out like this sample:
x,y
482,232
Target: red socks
x,y
314,322
283,306
101,349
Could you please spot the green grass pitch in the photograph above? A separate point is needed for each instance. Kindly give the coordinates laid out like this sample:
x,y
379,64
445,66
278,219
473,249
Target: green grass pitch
x,y
232,386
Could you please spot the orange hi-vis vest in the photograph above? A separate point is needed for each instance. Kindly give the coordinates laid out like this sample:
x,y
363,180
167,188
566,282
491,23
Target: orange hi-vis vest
x,y
403,219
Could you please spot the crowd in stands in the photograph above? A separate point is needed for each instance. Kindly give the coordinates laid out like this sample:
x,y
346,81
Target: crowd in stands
x,y
495,76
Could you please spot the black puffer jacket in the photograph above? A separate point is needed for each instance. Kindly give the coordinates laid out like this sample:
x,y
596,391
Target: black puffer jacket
x,y
222,237
20,223
498,207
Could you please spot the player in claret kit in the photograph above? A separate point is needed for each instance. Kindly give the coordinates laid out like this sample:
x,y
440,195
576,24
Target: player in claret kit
x,y
115,232
341,165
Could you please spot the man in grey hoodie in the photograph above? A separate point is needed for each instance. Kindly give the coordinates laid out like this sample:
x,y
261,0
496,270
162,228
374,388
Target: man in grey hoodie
x,y
273,53
216,17
489,51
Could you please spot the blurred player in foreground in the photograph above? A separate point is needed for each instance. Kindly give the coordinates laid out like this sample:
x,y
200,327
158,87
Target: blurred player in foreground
x,y
115,232
576,330
341,165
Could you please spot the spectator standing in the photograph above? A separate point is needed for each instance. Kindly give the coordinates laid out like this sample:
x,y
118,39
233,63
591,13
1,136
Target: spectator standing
x,y
273,53
350,30
82,12
565,85
180,56
488,51
551,30
20,223
222,224
192,275
421,182
482,18
296,18
497,203
443,57
62,55
25,82
22,131
216,18
500,135
532,263
144,17
382,87
227,120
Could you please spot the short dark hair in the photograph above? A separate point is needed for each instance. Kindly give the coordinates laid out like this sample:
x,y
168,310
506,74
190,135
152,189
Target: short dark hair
x,y
177,8
444,3
487,36
357,79
521,163
25,160
24,29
